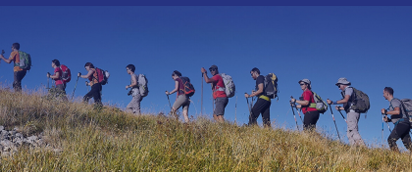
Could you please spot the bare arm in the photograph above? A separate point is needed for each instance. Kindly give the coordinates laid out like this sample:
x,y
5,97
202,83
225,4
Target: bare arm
x,y
88,74
207,79
259,91
55,76
176,88
343,101
303,102
396,111
6,60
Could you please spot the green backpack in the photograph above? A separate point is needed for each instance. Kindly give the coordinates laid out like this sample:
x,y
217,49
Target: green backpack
x,y
25,61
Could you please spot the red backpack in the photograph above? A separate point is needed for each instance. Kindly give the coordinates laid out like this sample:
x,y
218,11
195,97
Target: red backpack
x,y
66,74
102,76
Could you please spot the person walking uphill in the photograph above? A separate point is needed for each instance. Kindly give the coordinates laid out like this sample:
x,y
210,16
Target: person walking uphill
x,y
352,115
307,105
19,72
219,94
400,120
96,91
60,90
182,100
134,105
262,105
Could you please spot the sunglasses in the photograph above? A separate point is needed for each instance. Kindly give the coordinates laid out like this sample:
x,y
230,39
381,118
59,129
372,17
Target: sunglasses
x,y
212,70
339,85
301,84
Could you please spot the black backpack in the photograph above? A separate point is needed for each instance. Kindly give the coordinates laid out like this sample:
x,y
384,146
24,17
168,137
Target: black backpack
x,y
189,90
271,85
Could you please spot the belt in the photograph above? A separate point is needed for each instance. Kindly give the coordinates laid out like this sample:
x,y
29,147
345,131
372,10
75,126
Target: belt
x,y
397,122
265,98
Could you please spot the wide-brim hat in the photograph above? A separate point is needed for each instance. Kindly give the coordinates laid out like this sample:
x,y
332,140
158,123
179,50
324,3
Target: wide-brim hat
x,y
343,81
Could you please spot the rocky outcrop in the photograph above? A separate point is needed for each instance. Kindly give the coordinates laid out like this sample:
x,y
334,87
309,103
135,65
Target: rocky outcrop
x,y
11,140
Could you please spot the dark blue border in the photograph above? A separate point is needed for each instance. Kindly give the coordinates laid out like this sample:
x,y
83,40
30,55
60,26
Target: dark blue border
x,y
207,3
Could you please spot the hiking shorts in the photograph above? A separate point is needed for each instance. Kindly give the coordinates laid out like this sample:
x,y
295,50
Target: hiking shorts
x,y
220,105
182,101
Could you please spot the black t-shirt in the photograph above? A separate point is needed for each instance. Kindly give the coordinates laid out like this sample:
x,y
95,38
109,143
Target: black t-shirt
x,y
260,80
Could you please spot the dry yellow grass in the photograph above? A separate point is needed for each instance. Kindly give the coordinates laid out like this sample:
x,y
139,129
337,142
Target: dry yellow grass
x,y
83,139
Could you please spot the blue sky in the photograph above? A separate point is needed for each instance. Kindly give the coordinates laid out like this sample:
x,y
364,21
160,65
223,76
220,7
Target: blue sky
x,y
368,45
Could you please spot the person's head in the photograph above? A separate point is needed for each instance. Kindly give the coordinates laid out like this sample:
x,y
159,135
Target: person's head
x,y
342,83
130,68
213,70
388,93
255,72
176,74
15,46
55,63
88,66
305,84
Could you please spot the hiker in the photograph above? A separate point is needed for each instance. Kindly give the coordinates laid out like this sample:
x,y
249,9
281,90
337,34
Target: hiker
x,y
134,105
262,105
60,90
19,73
219,95
307,105
182,100
400,120
96,87
352,116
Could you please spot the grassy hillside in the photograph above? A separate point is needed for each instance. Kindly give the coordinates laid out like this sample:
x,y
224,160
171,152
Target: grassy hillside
x,y
82,139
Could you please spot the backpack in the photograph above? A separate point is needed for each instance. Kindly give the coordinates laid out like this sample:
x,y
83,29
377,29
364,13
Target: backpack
x,y
66,74
102,76
229,85
319,104
360,101
271,85
25,61
407,108
189,90
142,85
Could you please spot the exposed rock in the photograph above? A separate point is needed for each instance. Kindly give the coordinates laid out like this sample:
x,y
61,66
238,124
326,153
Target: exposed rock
x,y
10,140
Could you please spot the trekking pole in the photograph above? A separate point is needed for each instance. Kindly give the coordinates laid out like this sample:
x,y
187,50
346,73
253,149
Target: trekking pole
x,y
386,123
382,131
235,109
201,100
75,86
48,79
297,110
341,114
248,106
170,105
333,117
294,116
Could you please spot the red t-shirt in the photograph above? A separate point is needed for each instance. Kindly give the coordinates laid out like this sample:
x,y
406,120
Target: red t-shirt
x,y
218,83
308,95
59,80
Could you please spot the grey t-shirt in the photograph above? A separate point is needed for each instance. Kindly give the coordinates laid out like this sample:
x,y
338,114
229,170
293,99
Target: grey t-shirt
x,y
392,105
348,91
